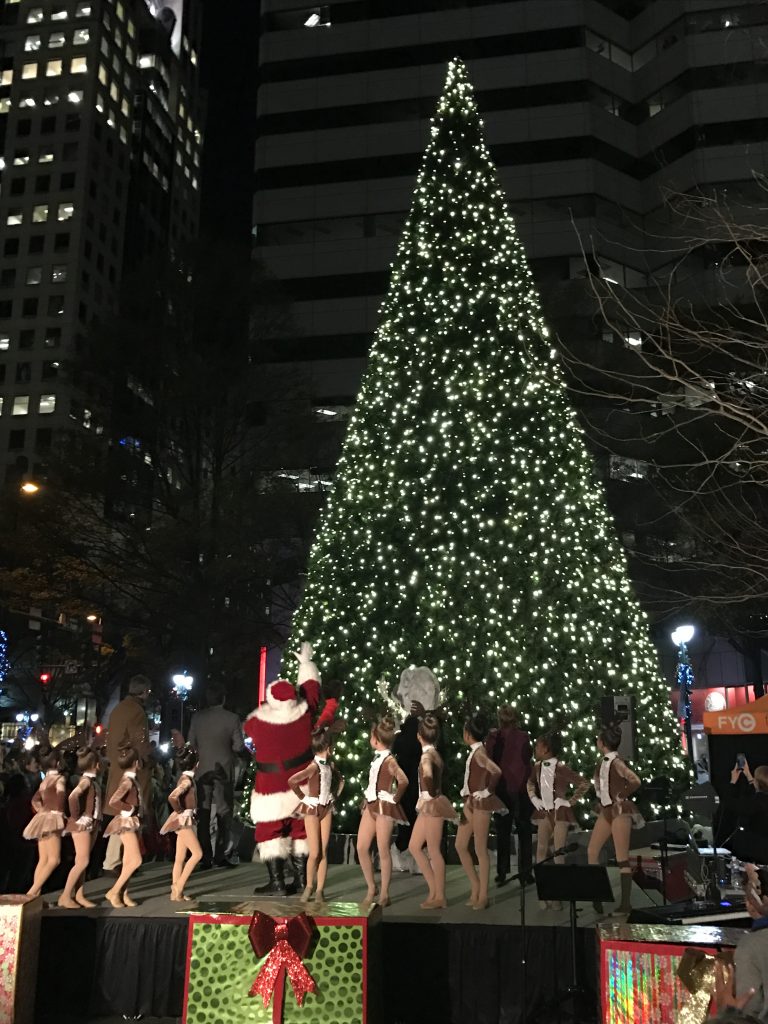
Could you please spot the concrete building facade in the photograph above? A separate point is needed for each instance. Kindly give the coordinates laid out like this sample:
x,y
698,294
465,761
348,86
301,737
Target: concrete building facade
x,y
100,135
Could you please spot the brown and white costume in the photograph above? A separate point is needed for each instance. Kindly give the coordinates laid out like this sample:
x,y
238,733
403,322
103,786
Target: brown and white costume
x,y
183,800
125,802
549,784
85,805
316,788
384,774
614,783
481,777
48,803
431,800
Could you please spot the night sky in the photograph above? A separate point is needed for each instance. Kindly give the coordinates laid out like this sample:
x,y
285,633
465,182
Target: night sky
x,y
229,72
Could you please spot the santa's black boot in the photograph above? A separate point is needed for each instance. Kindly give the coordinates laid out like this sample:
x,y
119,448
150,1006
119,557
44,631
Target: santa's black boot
x,y
299,864
276,884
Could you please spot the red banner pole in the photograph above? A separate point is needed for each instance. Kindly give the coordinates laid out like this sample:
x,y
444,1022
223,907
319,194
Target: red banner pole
x,y
262,676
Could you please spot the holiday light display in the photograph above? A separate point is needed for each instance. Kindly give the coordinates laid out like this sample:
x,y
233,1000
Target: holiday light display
x,y
466,529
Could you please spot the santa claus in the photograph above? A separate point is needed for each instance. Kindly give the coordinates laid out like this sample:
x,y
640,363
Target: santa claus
x,y
281,731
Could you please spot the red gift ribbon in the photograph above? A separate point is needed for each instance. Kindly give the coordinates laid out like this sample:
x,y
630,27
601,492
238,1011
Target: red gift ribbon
x,y
287,941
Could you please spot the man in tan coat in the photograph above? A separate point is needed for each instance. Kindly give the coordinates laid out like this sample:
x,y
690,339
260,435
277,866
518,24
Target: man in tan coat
x,y
128,727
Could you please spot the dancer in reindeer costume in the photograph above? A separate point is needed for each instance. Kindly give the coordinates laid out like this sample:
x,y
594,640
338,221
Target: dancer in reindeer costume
x,y
281,731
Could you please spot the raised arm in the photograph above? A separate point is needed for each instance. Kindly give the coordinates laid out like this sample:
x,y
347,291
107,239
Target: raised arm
x,y
117,803
579,784
630,782
402,782
174,797
74,798
295,782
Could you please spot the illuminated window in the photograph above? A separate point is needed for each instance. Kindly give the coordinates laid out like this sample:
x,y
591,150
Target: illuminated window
x,y
34,275
130,54
59,15
56,39
6,77
147,60
32,43
5,104
39,214
59,273
123,134
119,38
29,71
81,36
20,157
14,217
47,404
131,29
103,77
20,405
75,96
55,305
114,94
125,109
120,11
27,101
79,65
100,101
53,68
193,56
35,15
5,342
51,98
46,157
84,10
66,211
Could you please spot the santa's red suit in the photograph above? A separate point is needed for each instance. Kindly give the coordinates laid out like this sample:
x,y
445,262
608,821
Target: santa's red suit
x,y
281,731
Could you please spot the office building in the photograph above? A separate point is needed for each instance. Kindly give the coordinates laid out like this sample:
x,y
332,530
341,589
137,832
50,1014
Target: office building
x,y
592,109
100,128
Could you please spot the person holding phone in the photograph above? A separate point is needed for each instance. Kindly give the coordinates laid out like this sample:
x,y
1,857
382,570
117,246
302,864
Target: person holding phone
x,y
749,801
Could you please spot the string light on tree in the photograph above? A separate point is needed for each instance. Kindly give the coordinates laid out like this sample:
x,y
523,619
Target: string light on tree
x,y
466,529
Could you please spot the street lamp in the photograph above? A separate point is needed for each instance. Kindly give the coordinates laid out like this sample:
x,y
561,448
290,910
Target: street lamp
x,y
681,637
182,685
30,487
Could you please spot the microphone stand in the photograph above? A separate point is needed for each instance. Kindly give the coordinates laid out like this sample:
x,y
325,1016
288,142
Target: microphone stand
x,y
521,877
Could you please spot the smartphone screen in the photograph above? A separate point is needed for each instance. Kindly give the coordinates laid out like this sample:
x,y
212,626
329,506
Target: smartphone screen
x,y
741,761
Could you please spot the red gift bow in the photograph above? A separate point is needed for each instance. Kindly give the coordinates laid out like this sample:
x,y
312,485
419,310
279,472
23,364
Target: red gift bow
x,y
287,941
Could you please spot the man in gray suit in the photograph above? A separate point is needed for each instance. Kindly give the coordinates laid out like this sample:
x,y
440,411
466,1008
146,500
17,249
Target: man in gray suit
x,y
217,736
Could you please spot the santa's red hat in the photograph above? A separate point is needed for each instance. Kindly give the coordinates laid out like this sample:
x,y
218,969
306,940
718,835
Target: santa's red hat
x,y
279,691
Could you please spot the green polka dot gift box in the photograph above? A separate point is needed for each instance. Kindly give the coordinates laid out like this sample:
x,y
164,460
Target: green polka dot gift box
x,y
281,963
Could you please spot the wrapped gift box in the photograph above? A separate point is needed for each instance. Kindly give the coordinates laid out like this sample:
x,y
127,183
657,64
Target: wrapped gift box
x,y
343,960
19,948
639,966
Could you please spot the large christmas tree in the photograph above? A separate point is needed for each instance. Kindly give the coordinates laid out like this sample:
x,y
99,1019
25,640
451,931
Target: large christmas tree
x,y
466,529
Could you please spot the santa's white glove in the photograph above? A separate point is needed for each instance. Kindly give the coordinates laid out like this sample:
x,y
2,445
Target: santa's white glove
x,y
311,801
560,802
538,803
481,794
307,668
126,814
386,798
85,821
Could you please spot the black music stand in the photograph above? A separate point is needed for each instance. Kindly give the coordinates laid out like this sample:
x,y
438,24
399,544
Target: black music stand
x,y
572,884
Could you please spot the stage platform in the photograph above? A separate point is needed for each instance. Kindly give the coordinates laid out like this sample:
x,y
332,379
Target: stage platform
x,y
453,966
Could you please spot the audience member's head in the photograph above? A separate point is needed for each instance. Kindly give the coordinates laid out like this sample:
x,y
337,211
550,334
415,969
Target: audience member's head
x,y
140,688
214,694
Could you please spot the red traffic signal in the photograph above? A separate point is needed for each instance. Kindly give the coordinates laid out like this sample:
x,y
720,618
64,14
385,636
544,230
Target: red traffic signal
x,y
98,729
45,678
